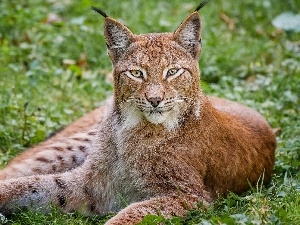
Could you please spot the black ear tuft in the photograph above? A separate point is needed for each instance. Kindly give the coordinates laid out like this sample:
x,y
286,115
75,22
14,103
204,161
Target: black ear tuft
x,y
201,5
100,11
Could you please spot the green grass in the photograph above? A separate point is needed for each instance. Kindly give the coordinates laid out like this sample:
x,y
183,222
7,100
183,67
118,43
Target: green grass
x,y
253,63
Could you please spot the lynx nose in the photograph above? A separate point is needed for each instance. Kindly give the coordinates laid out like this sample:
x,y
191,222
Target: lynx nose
x,y
154,101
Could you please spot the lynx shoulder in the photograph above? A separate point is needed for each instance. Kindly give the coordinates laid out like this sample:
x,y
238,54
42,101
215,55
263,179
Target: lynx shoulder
x,y
160,142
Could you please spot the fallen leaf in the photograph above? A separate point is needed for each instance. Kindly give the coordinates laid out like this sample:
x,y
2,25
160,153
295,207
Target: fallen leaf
x,y
230,23
82,61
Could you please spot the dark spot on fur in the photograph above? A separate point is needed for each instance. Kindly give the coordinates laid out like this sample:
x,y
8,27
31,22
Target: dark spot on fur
x,y
42,159
82,148
87,140
82,139
69,148
62,200
92,133
54,168
87,191
74,158
34,191
60,183
37,170
77,139
59,157
58,148
92,207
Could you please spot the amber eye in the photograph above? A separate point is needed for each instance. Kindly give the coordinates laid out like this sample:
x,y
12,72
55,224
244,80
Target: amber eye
x,y
172,72
136,73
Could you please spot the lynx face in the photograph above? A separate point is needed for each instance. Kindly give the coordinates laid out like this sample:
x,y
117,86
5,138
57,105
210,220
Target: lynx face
x,y
156,75
158,90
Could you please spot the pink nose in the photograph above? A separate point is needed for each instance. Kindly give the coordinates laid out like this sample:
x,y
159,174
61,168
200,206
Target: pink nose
x,y
154,101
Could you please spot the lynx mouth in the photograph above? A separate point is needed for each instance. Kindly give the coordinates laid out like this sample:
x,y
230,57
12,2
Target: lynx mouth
x,y
159,111
155,110
168,116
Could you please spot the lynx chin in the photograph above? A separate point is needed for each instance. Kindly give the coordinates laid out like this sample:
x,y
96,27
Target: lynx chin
x,y
159,143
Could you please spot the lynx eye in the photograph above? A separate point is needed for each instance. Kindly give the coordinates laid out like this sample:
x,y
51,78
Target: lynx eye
x,y
173,73
136,73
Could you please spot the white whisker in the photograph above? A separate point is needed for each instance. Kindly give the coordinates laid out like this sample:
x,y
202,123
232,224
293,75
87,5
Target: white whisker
x,y
166,113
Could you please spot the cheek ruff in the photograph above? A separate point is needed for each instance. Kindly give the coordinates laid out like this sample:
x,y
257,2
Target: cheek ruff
x,y
166,113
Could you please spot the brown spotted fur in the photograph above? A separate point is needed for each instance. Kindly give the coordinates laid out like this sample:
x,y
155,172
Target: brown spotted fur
x,y
160,143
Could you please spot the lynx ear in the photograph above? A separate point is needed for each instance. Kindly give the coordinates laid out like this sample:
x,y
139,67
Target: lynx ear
x,y
118,37
188,34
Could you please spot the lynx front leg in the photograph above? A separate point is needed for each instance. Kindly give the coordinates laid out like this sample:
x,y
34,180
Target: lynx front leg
x,y
68,191
167,206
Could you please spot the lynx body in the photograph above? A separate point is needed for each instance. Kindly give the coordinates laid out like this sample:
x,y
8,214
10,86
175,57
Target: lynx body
x,y
159,143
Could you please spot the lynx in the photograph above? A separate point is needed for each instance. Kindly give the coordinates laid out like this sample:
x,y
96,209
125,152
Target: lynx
x,y
159,143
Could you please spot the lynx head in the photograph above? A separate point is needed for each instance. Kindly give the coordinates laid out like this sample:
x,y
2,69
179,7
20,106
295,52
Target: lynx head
x,y
156,76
